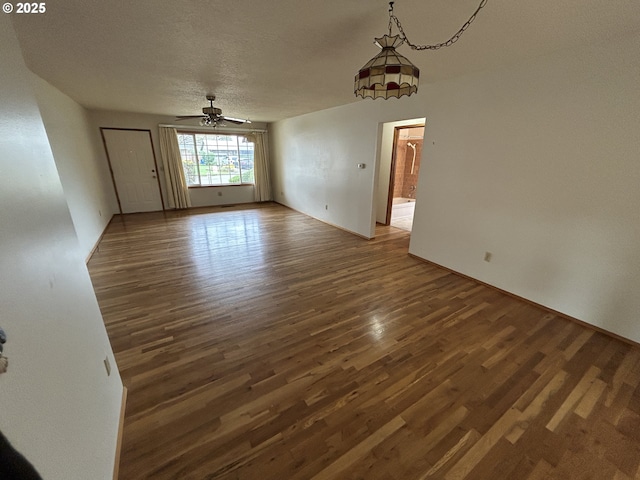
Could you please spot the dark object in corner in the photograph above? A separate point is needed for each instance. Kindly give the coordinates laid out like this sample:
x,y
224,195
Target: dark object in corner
x,y
13,466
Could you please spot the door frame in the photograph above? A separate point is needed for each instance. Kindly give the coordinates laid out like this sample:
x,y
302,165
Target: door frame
x,y
392,173
155,161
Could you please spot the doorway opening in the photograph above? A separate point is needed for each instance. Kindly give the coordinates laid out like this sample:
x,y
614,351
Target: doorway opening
x,y
403,180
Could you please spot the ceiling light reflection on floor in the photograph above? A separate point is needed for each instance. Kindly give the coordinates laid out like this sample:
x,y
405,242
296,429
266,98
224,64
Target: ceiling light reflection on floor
x,y
377,327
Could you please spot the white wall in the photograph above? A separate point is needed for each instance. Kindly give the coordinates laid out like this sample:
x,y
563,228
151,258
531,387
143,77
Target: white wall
x,y
536,163
227,195
84,175
314,161
58,406
200,197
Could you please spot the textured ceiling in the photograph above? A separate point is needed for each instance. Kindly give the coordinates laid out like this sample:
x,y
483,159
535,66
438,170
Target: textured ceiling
x,y
274,59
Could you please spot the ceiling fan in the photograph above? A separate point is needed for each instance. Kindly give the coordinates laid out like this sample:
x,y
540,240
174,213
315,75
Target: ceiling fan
x,y
212,116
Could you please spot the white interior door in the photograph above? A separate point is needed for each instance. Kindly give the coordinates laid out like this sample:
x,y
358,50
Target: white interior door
x,y
134,170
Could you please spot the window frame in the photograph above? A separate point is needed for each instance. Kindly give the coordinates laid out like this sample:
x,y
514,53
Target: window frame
x,y
237,135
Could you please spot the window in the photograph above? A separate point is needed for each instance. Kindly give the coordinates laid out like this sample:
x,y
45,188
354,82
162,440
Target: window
x,y
216,159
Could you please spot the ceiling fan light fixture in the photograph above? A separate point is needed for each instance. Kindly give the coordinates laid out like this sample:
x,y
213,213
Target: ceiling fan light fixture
x,y
213,117
212,111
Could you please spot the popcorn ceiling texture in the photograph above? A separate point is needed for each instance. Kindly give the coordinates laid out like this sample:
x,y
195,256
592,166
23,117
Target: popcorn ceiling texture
x,y
274,60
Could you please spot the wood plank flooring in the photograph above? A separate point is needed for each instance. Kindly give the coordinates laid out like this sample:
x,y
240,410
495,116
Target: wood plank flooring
x,y
258,343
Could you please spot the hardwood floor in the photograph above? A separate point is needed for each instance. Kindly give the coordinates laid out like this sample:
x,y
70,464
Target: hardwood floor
x,y
258,343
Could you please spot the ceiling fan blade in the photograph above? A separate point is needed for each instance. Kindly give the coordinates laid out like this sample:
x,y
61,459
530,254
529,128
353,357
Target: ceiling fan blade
x,y
237,121
185,117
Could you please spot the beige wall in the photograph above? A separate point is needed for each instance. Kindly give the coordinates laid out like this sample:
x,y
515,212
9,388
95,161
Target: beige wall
x,y
58,406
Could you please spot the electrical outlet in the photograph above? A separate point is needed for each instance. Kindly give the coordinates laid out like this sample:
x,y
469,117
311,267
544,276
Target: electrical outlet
x,y
107,365
487,256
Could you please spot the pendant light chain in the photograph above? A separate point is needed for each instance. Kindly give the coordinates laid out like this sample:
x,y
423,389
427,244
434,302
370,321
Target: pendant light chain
x,y
390,16
390,74
437,46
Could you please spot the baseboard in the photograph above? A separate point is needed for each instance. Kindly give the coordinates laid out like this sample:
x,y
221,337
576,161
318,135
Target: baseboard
x,y
325,222
531,302
221,206
95,246
116,466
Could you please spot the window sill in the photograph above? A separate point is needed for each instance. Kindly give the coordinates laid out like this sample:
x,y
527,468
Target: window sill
x,y
223,186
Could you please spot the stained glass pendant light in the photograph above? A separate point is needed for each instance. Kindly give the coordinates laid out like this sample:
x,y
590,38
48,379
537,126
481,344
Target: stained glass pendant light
x,y
390,74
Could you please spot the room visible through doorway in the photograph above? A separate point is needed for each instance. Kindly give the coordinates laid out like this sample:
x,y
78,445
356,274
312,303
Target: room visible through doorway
x,y
405,166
